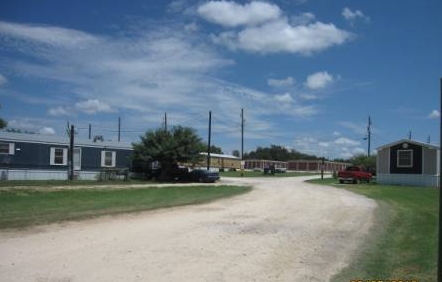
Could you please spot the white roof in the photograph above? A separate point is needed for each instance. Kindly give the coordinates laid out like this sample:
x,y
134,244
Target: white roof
x,y
422,144
60,140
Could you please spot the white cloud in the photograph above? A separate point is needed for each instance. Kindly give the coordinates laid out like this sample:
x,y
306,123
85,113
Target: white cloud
x,y
60,111
90,106
33,125
279,36
346,142
231,14
319,80
192,27
281,82
93,106
341,147
358,128
348,153
51,35
3,80
434,114
152,71
307,97
261,27
47,131
303,19
285,98
304,111
351,16
324,144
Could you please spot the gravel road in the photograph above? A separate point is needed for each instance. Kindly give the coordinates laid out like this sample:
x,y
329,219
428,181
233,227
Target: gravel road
x,y
284,230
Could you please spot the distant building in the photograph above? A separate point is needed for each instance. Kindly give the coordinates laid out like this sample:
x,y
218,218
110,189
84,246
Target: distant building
x,y
407,162
220,161
264,164
315,165
45,157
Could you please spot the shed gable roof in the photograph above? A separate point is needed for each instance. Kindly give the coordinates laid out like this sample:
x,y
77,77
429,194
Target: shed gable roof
x,y
422,144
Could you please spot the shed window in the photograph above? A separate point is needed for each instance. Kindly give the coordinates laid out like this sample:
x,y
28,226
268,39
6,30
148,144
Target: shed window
x,y
59,156
7,148
405,158
108,158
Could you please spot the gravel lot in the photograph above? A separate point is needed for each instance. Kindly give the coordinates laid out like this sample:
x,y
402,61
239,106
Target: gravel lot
x,y
284,230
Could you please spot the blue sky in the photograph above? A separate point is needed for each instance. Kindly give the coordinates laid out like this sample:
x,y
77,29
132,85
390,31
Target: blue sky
x,y
307,73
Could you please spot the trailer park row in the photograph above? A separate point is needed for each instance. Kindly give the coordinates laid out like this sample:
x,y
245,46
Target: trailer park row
x,y
44,157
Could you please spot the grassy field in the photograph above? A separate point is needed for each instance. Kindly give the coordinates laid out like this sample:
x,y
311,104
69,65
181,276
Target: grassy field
x,y
26,207
403,242
50,183
261,174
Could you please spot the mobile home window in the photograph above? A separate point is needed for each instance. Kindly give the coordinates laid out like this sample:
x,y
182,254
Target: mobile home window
x,y
59,156
108,158
405,158
7,148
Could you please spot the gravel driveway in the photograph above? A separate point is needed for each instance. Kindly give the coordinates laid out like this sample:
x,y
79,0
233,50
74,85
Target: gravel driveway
x,y
284,230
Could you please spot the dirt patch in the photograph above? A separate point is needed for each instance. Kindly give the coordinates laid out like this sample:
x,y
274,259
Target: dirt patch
x,y
284,230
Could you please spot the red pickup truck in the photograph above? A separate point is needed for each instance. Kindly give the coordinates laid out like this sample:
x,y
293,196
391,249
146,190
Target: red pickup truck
x,y
354,174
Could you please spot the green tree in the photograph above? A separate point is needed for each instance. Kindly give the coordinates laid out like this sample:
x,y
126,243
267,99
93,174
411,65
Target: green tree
x,y
277,153
3,122
236,153
214,149
362,160
178,145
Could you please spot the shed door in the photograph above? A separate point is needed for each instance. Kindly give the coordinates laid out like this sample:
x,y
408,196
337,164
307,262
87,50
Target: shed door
x,y
77,158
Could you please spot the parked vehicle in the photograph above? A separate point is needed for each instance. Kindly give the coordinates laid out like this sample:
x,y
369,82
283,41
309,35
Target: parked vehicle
x,y
354,174
202,175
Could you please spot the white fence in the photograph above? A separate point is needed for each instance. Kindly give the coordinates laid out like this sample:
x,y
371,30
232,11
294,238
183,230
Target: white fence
x,y
409,180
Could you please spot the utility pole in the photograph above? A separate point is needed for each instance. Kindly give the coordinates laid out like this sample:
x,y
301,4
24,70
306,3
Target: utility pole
x,y
208,143
71,154
439,259
242,142
369,136
165,122
90,131
242,134
68,133
119,128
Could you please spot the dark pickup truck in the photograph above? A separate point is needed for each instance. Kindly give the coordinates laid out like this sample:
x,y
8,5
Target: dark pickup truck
x,y
354,174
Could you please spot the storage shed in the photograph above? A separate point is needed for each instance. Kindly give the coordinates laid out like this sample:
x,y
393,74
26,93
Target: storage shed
x,y
408,162
45,157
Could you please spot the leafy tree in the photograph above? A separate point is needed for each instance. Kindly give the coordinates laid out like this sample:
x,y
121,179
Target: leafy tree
x,y
368,163
214,149
180,144
236,153
277,153
3,122
18,130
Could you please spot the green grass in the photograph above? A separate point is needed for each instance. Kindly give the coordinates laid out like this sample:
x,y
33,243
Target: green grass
x,y
26,207
261,174
403,242
47,183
